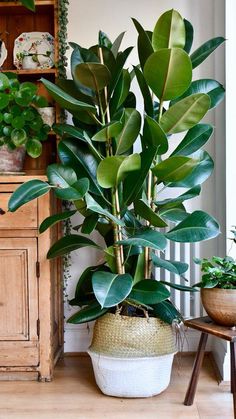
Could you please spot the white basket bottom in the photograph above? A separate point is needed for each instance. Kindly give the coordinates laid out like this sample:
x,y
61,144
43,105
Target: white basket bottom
x,y
132,377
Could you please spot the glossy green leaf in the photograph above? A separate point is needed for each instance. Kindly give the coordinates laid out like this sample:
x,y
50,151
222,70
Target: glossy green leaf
x,y
61,176
4,100
175,215
68,244
154,135
93,75
177,268
195,138
189,36
27,192
200,54
103,40
79,56
131,127
65,100
174,168
87,314
191,193
209,86
117,43
109,131
147,97
95,207
185,114
75,192
109,256
89,223
34,148
142,209
179,287
112,170
134,181
67,130
84,290
54,219
169,31
168,72
30,4
199,174
167,312
146,238
111,289
149,292
121,91
77,156
139,270
198,226
120,61
145,48
4,82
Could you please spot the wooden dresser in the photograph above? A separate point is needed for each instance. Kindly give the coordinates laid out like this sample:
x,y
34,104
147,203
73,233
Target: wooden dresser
x,y
31,311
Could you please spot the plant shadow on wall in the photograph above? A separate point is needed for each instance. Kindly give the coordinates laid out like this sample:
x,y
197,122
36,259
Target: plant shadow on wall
x,y
120,193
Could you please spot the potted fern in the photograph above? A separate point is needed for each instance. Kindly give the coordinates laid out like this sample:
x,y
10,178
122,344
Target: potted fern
x,y
120,192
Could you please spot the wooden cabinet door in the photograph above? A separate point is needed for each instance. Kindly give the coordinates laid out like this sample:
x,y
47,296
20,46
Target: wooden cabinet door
x,y
18,302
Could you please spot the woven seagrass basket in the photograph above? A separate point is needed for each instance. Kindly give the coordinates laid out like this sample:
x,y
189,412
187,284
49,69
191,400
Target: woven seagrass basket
x,y
132,356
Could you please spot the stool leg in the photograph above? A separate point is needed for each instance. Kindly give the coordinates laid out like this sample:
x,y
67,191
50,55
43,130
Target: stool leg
x,y
233,372
188,401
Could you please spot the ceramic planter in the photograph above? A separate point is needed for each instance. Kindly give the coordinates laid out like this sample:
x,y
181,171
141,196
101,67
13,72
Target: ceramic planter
x,y
11,161
220,305
132,357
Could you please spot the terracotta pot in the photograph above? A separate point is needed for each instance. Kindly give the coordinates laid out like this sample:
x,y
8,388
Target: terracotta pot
x,y
11,161
220,305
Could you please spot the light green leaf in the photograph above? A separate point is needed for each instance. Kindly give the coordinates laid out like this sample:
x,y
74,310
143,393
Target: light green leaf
x,y
112,170
27,192
139,271
149,292
95,207
111,289
195,138
198,226
174,168
93,75
168,72
198,56
169,31
186,113
154,135
145,48
131,127
54,219
68,244
142,209
110,130
146,238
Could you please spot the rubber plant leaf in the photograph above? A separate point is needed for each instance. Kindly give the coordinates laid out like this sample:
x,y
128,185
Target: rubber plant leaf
x,y
111,289
68,244
27,192
169,31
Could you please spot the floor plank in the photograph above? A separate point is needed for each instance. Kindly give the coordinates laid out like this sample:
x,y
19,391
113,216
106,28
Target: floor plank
x,y
73,395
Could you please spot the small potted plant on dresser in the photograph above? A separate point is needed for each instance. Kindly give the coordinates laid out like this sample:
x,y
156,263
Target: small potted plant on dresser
x,y
218,289
22,128
120,192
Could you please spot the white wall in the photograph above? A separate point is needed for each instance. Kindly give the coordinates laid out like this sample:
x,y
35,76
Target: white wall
x,y
86,18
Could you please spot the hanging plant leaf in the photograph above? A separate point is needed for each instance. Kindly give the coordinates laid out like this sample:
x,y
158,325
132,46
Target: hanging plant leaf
x,y
189,36
185,114
195,138
145,48
209,86
27,192
93,75
169,31
147,98
177,268
112,170
174,168
87,314
168,72
142,209
131,127
68,244
198,226
110,289
198,56
146,238
149,292
54,219
154,135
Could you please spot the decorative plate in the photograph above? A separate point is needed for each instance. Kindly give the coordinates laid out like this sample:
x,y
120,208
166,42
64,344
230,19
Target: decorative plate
x,y
37,46
3,52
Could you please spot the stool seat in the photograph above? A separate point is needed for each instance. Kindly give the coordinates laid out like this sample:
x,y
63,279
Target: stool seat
x,y
208,327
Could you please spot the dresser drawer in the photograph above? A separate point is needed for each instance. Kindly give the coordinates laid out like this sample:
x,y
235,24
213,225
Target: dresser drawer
x,y
25,217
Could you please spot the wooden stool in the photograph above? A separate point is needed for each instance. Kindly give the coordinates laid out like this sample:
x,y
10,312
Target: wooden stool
x,y
207,326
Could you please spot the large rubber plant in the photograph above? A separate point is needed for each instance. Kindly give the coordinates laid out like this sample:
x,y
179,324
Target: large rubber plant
x,y
129,197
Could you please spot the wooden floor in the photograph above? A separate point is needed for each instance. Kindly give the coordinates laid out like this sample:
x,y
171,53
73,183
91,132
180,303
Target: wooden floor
x,y
74,395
